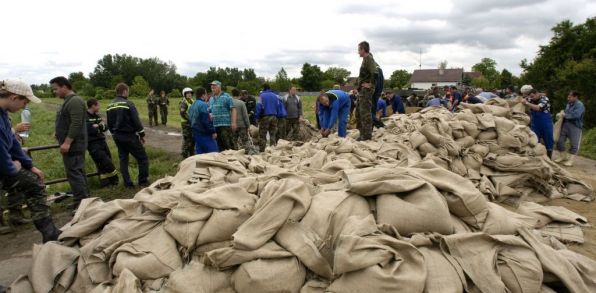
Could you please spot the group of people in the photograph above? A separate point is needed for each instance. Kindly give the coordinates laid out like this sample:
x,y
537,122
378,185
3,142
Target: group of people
x,y
216,121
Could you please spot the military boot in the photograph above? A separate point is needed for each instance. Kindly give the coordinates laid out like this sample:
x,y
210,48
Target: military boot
x,y
48,230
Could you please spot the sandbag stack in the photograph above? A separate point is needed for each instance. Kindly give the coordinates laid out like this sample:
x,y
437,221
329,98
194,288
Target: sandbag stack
x,y
417,209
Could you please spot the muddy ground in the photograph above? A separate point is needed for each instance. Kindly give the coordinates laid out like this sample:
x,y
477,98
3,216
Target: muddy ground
x,y
15,252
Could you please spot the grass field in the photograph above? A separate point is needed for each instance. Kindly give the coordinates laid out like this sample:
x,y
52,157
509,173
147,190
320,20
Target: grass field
x,y
308,104
50,161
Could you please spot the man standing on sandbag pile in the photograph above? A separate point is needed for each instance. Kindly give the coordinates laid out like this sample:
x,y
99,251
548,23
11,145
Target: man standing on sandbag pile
x,y
572,129
541,119
266,114
224,116
17,173
129,135
366,87
71,133
334,106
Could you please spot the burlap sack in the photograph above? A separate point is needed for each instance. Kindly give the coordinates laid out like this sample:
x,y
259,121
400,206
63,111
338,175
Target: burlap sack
x,y
226,257
285,275
466,141
557,126
369,261
417,139
288,197
150,257
519,268
427,148
196,277
442,277
547,214
500,221
126,282
489,134
408,209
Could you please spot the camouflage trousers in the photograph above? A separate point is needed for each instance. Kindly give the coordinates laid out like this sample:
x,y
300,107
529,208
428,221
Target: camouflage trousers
x,y
33,190
281,128
152,116
225,138
14,200
293,128
267,124
163,111
365,121
242,140
188,144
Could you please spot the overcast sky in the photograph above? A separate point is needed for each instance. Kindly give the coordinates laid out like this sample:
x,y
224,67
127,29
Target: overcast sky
x,y
43,39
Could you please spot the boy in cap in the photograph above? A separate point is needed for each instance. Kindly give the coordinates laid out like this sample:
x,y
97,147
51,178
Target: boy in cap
x,y
16,169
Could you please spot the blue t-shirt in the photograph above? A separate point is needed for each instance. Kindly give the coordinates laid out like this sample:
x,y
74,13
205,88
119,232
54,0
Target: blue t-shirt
x,y
382,106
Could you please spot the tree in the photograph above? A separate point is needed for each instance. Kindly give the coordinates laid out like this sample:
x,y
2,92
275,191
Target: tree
x,y
481,82
327,84
336,74
443,65
567,62
399,79
311,77
282,82
466,80
140,87
488,68
505,79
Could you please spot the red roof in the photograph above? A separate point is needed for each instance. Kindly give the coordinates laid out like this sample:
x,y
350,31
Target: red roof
x,y
436,75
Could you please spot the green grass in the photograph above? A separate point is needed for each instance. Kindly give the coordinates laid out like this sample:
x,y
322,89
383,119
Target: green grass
x,y
50,161
588,145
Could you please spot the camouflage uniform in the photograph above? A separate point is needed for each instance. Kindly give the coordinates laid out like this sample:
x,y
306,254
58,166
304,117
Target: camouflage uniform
x,y
242,140
365,97
293,128
152,102
267,124
29,185
225,138
188,144
164,102
281,128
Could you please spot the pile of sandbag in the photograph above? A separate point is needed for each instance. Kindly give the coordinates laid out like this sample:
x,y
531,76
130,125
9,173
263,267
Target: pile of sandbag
x,y
337,215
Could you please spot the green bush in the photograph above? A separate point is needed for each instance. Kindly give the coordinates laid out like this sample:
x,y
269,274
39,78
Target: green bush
x,y
175,93
588,145
104,94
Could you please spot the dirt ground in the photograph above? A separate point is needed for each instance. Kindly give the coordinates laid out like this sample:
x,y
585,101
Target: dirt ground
x,y
15,254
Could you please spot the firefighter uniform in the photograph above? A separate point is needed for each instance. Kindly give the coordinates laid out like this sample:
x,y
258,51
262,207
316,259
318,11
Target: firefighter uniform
x,y
127,131
99,151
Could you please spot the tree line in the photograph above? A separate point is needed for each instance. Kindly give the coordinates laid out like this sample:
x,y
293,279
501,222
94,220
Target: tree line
x,y
566,62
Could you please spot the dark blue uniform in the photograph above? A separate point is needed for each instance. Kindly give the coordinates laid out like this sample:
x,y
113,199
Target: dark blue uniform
x,y
126,129
542,122
338,110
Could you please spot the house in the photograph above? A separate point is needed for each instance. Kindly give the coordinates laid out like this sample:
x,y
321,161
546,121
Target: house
x,y
427,78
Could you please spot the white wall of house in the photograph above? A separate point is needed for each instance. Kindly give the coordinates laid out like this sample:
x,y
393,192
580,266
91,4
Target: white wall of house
x,y
429,85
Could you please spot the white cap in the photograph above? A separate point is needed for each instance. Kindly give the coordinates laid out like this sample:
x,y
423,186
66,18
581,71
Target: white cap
x,y
18,87
525,89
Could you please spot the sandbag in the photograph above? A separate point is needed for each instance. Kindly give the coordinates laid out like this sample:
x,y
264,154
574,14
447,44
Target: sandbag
x,y
442,276
196,277
489,134
408,211
150,257
427,148
500,221
269,275
290,199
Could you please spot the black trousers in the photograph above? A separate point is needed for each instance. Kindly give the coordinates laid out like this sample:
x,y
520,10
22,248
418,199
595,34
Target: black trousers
x,y
100,153
130,144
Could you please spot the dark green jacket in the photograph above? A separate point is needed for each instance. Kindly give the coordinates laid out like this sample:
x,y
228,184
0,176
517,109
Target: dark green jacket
x,y
367,71
70,122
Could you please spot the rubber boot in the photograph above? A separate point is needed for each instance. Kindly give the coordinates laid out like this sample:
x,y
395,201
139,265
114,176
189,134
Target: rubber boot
x,y
114,180
17,218
48,230
569,162
563,157
5,230
549,154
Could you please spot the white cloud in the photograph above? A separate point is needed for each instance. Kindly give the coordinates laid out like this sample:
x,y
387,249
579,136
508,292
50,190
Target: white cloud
x,y
59,37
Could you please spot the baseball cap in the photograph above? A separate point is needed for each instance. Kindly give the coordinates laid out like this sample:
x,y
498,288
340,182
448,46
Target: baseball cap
x,y
19,88
216,82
